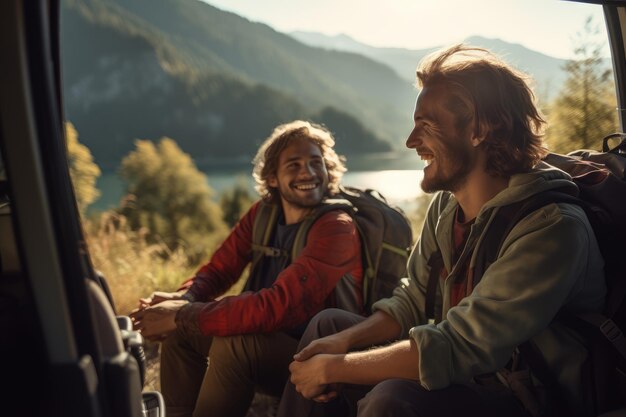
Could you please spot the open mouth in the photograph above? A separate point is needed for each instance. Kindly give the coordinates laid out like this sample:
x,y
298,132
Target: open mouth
x,y
427,157
306,186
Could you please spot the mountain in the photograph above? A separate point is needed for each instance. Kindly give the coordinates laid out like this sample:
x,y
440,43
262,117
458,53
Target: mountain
x,y
213,81
546,70
402,61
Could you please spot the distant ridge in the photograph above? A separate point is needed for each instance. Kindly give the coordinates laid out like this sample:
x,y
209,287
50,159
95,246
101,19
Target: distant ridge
x,y
545,70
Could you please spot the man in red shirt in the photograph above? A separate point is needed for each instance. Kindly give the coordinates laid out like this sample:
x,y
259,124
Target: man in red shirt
x,y
217,352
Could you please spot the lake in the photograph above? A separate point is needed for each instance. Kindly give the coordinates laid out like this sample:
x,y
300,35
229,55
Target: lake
x,y
400,186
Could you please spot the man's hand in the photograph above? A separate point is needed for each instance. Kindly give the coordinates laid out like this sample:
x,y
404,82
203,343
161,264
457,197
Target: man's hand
x,y
309,377
158,297
158,321
334,343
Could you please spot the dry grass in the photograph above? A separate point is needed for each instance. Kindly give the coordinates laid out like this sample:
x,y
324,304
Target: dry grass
x,y
133,267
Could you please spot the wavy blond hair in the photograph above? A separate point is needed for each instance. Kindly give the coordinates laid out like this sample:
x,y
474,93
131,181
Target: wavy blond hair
x,y
266,160
485,91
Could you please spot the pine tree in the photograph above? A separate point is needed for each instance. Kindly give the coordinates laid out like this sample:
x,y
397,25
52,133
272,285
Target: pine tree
x,y
585,109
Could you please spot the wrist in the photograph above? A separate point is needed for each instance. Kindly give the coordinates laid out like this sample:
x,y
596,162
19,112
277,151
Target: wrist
x,y
187,318
333,369
189,296
348,340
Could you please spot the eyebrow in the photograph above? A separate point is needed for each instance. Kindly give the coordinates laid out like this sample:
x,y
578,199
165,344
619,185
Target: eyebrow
x,y
423,119
297,157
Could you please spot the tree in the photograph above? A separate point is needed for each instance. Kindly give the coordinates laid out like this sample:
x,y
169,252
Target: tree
x,y
167,195
83,170
236,201
584,111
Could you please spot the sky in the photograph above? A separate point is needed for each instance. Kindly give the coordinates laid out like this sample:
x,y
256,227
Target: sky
x,y
547,26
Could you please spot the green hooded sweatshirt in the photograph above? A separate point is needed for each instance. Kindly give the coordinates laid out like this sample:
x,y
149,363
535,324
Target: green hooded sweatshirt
x,y
549,262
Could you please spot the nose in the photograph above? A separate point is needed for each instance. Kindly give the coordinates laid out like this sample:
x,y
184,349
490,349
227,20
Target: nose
x,y
413,140
308,170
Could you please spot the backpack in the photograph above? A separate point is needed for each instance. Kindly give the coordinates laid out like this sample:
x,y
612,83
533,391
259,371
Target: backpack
x,y
384,231
601,179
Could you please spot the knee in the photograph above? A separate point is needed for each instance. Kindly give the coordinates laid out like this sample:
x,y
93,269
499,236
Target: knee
x,y
324,323
224,346
233,351
173,343
180,344
325,317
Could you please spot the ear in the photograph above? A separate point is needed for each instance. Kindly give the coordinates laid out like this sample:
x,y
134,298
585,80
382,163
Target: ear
x,y
477,140
272,181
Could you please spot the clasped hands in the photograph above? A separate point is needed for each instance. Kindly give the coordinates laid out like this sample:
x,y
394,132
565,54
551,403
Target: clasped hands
x,y
155,318
310,370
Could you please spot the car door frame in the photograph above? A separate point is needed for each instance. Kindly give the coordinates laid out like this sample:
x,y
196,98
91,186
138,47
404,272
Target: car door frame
x,y
79,367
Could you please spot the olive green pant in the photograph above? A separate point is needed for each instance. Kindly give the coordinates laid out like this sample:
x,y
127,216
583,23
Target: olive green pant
x,y
205,376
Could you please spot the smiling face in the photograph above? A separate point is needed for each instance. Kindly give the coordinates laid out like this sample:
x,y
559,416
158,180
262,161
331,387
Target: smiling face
x,y
301,178
445,149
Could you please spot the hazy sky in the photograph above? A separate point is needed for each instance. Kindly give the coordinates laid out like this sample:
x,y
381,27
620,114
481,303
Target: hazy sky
x,y
547,26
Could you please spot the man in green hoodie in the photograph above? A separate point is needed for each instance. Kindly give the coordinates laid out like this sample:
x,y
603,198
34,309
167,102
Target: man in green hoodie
x,y
480,134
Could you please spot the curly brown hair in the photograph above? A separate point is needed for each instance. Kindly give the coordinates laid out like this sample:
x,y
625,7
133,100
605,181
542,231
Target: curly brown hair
x,y
266,160
485,91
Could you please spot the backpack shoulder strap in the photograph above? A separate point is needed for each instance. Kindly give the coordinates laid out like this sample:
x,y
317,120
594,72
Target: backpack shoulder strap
x,y
503,222
435,262
264,221
305,226
262,228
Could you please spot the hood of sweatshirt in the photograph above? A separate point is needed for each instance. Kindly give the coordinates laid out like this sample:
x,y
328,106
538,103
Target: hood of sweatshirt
x,y
541,178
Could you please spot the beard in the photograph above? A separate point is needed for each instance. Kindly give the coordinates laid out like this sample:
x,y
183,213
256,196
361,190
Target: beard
x,y
301,201
448,172
293,197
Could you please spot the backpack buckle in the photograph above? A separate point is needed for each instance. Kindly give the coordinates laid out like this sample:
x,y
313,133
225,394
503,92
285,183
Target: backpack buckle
x,y
274,252
611,331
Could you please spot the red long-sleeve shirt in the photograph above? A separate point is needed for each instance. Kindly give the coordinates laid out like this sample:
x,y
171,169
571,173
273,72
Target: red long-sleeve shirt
x,y
301,290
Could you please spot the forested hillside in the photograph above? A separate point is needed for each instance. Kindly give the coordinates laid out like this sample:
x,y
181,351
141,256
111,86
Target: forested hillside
x,y
213,81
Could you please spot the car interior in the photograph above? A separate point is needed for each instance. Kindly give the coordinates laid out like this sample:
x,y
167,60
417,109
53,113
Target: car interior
x,y
65,350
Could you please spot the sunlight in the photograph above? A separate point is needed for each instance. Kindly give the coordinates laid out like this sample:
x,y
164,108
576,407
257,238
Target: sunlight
x,y
397,186
424,24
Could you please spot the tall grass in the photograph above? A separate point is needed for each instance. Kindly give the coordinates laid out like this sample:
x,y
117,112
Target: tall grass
x,y
133,267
